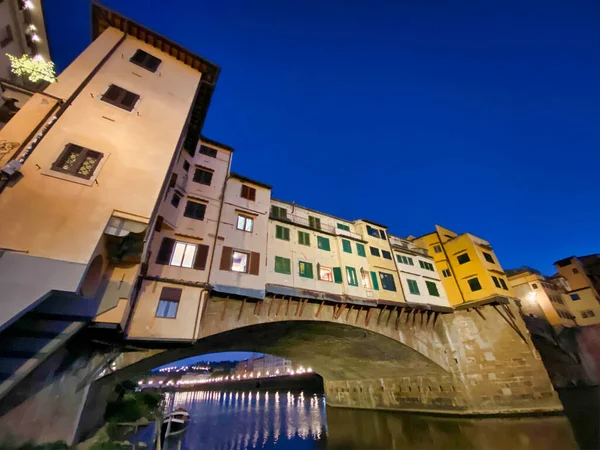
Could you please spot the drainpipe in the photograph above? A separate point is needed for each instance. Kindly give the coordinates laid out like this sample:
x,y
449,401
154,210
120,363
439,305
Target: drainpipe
x,y
450,266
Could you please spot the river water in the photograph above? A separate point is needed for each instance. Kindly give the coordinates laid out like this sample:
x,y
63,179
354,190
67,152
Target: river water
x,y
281,419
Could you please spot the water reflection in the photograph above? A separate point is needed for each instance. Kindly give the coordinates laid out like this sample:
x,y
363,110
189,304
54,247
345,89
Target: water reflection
x,y
300,420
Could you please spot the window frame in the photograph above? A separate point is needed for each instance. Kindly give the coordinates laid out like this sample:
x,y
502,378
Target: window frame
x,y
186,246
303,236
79,161
308,269
466,254
250,192
328,270
241,252
147,58
276,212
503,283
168,305
444,271
346,246
432,285
314,222
496,282
384,253
488,257
282,260
389,277
437,248
413,286
285,231
210,152
321,239
351,276
204,172
476,280
360,250
118,101
176,199
247,219
188,215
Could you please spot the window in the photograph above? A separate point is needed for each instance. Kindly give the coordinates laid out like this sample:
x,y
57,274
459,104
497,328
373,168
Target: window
x,y
503,283
168,303
413,287
374,251
245,223
575,297
303,238
323,243
587,314
203,176
432,288
387,281
386,254
183,255
489,258
496,282
282,233
360,250
194,210
464,258
437,249
122,98
351,276
382,234
373,231
186,166
365,279
425,265
337,275
314,222
474,284
341,226
6,37
346,246
239,262
248,192
410,261
325,274
374,281
204,150
575,271
534,286
175,199
278,212
78,161
145,60
283,265
305,269
404,260
446,273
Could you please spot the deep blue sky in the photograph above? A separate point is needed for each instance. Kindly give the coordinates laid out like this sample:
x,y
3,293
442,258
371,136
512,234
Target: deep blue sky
x,y
482,116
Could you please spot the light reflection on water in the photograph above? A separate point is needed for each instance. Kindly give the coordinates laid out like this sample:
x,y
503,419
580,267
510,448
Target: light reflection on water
x,y
224,420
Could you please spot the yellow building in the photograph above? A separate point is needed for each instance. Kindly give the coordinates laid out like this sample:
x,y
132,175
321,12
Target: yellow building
x,y
469,267
583,277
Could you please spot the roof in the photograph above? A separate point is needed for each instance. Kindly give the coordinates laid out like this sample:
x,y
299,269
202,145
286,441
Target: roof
x,y
374,223
103,18
218,144
249,180
312,210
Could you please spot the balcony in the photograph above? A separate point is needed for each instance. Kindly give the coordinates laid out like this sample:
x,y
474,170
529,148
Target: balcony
x,y
304,222
350,234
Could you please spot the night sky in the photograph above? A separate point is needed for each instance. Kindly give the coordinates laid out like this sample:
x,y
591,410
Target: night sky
x,y
482,116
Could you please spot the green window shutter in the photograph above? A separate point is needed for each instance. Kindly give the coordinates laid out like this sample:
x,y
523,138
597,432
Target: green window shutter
x,y
374,280
360,249
351,275
337,274
303,238
283,265
410,261
305,269
323,243
282,233
413,287
286,234
346,246
432,288
341,226
314,222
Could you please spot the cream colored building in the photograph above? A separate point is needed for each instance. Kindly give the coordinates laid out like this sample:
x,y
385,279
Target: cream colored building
x,y
583,276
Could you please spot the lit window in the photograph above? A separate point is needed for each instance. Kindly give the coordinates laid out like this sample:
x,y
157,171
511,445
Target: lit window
x,y
168,303
245,223
489,258
323,243
437,249
365,278
325,273
474,284
183,254
464,258
305,269
239,262
351,276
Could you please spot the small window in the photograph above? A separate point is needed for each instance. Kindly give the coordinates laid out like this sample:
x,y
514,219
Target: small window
x,y
437,249
283,265
425,265
186,166
325,274
464,258
341,226
203,176
282,233
365,278
533,285
351,276
337,275
6,37
386,254
496,282
175,199
278,212
168,303
360,250
122,98
183,255
305,269
489,258
239,261
503,283
245,223
195,210
387,281
314,222
446,273
323,243
382,234
474,284
373,231
346,246
145,60
575,271
575,297
374,251
591,313
303,238
204,150
413,287
432,288
410,261
248,192
78,161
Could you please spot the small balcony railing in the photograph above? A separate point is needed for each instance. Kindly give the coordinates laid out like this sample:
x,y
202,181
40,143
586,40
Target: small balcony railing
x,y
350,234
303,221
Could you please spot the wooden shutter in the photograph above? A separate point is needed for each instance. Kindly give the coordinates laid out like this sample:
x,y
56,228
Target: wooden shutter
x,y
374,280
171,294
166,249
252,193
254,263
337,274
245,191
158,223
226,256
201,257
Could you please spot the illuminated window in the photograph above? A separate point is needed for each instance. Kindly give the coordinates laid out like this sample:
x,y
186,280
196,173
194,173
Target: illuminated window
x,y
239,261
145,60
183,254
489,258
78,161
325,274
365,278
168,303
464,258
351,276
474,284
305,269
245,223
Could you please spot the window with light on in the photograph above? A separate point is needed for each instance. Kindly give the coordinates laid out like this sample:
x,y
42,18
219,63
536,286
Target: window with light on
x,y
183,255
239,262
